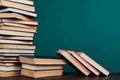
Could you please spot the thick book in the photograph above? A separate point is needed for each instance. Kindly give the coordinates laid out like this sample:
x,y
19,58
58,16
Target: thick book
x,y
13,28
16,51
14,10
77,65
12,46
3,41
39,74
15,33
16,38
24,22
13,54
14,16
9,68
9,74
41,61
7,3
41,67
17,25
28,2
94,63
85,63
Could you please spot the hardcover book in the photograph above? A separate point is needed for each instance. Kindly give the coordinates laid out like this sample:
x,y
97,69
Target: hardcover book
x,y
3,41
9,74
94,63
14,10
28,2
24,38
42,67
81,60
14,16
17,25
41,61
15,33
39,74
24,22
72,61
13,4
13,46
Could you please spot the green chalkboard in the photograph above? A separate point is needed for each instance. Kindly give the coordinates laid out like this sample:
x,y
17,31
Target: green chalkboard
x,y
91,26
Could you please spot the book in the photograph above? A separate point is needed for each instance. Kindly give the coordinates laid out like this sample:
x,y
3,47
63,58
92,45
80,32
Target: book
x,y
16,38
14,16
41,67
72,61
12,46
9,74
9,68
8,64
15,33
12,54
8,58
3,41
14,10
16,51
7,3
39,74
9,61
24,22
41,61
28,2
94,63
17,25
81,60
12,28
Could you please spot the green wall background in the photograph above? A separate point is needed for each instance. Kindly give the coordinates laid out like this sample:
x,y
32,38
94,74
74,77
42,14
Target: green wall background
x,y
91,26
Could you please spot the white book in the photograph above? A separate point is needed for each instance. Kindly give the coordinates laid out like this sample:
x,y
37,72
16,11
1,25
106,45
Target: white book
x,y
9,68
14,42
16,25
41,67
11,54
18,11
15,51
94,63
28,2
15,33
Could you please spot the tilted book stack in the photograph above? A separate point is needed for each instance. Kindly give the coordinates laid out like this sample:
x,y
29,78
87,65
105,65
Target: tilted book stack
x,y
17,29
83,63
41,67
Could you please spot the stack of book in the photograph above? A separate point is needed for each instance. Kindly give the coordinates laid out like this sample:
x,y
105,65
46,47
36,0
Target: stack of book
x,y
17,29
83,63
41,67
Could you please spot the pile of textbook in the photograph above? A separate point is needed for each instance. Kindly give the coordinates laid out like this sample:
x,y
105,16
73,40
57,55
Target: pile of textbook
x,y
17,29
41,67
